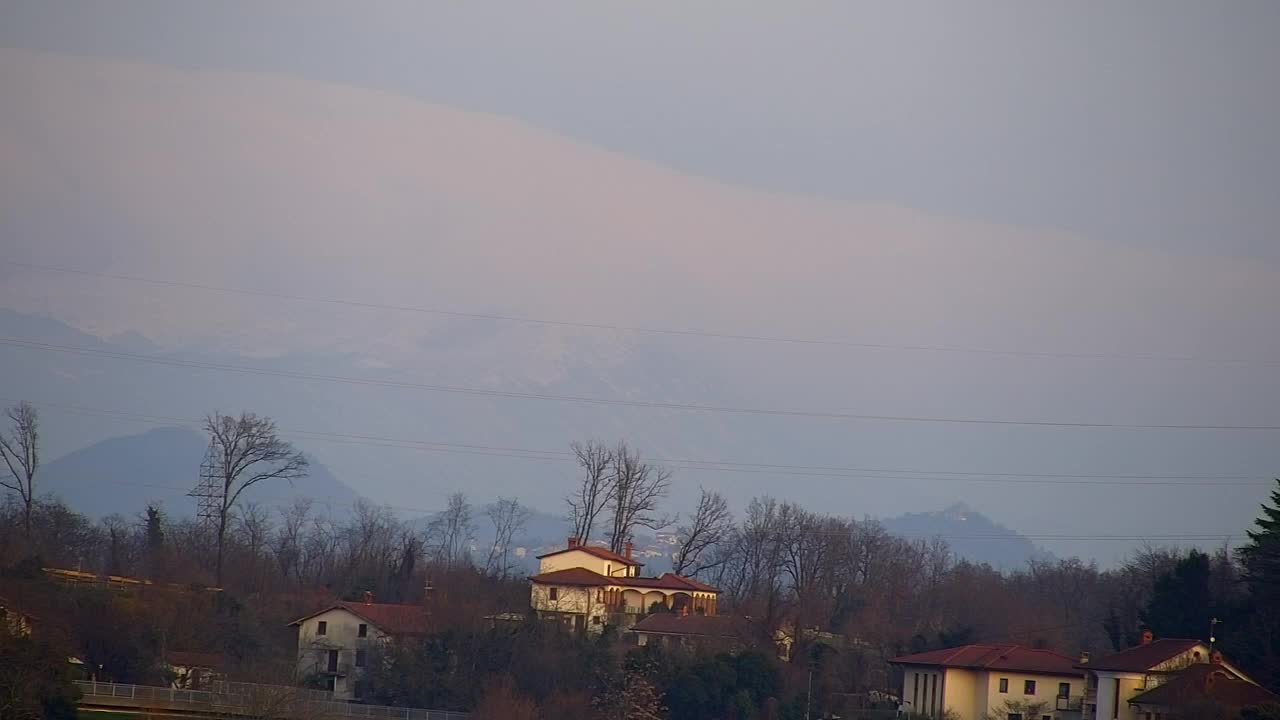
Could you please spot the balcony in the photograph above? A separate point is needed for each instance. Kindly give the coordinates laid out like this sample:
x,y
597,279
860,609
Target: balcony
x,y
1069,704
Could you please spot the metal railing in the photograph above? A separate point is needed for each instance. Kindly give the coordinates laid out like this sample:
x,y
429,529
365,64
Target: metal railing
x,y
1069,704
247,696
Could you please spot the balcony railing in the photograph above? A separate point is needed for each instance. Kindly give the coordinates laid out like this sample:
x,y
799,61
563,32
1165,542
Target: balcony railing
x,y
1069,704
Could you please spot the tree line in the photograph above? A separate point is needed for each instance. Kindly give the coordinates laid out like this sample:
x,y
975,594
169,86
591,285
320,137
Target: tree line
x,y
843,594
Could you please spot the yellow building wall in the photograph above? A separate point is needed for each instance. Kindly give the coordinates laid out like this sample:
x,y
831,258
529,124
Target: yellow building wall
x,y
963,694
1046,691
580,559
577,600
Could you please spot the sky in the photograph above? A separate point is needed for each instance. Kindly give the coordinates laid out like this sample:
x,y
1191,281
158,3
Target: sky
x,y
1077,179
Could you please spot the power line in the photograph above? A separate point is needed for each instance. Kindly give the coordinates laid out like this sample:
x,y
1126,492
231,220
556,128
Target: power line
x,y
696,465
585,400
638,329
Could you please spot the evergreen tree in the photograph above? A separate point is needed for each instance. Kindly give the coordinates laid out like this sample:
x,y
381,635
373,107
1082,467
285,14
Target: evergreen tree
x,y
1181,603
1261,557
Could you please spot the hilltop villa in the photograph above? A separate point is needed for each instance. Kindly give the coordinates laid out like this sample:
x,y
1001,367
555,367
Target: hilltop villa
x,y
589,587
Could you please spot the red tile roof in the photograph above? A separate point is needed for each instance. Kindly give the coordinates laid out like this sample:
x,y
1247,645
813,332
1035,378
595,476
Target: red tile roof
x,y
390,618
1013,658
599,552
1204,681
1142,657
585,577
720,626
572,576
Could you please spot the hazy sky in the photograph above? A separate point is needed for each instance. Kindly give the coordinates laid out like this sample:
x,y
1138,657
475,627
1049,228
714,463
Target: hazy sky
x,y
1143,122
1076,178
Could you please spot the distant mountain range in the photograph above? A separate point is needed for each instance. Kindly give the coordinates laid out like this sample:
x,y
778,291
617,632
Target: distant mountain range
x,y
124,474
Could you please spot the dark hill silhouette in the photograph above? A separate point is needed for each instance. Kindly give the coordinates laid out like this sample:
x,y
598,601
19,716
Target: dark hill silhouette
x,y
124,474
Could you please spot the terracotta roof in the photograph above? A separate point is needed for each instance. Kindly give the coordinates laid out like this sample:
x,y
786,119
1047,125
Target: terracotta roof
x,y
572,576
390,618
1013,658
721,626
667,581
585,577
1142,657
599,552
1204,681
178,658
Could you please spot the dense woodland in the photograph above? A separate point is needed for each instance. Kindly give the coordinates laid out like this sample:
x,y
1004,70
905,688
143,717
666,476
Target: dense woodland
x,y
849,594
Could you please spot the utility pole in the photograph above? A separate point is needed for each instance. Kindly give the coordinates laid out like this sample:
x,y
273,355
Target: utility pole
x,y
808,698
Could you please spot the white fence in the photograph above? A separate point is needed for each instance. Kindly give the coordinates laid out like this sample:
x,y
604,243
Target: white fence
x,y
247,697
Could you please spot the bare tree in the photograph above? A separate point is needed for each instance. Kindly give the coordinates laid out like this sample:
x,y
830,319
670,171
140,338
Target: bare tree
x,y
287,545
20,449
451,532
637,489
595,487
508,517
248,451
709,526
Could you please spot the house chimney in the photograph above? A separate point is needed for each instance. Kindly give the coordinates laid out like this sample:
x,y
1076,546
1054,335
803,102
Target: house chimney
x,y
1084,658
573,542
627,547
368,598
1147,637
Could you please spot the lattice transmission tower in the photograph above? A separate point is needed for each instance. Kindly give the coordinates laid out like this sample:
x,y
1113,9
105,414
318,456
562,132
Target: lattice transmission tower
x,y
209,491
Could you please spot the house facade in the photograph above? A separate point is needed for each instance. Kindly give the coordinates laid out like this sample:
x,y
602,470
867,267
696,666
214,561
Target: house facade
x,y
589,588
974,682
338,644
1114,681
15,621
1211,682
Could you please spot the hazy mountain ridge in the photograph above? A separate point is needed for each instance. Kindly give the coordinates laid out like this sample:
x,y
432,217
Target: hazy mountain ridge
x,y
125,474
306,188
971,535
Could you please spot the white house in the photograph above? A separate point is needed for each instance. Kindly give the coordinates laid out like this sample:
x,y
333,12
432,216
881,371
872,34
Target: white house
x,y
590,587
338,642
974,682
1114,681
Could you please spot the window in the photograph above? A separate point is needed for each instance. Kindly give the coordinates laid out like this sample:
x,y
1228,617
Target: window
x,y
1028,687
1004,685
554,594
360,658
1064,690
595,620
1015,716
322,628
915,695
362,630
332,665
1046,717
